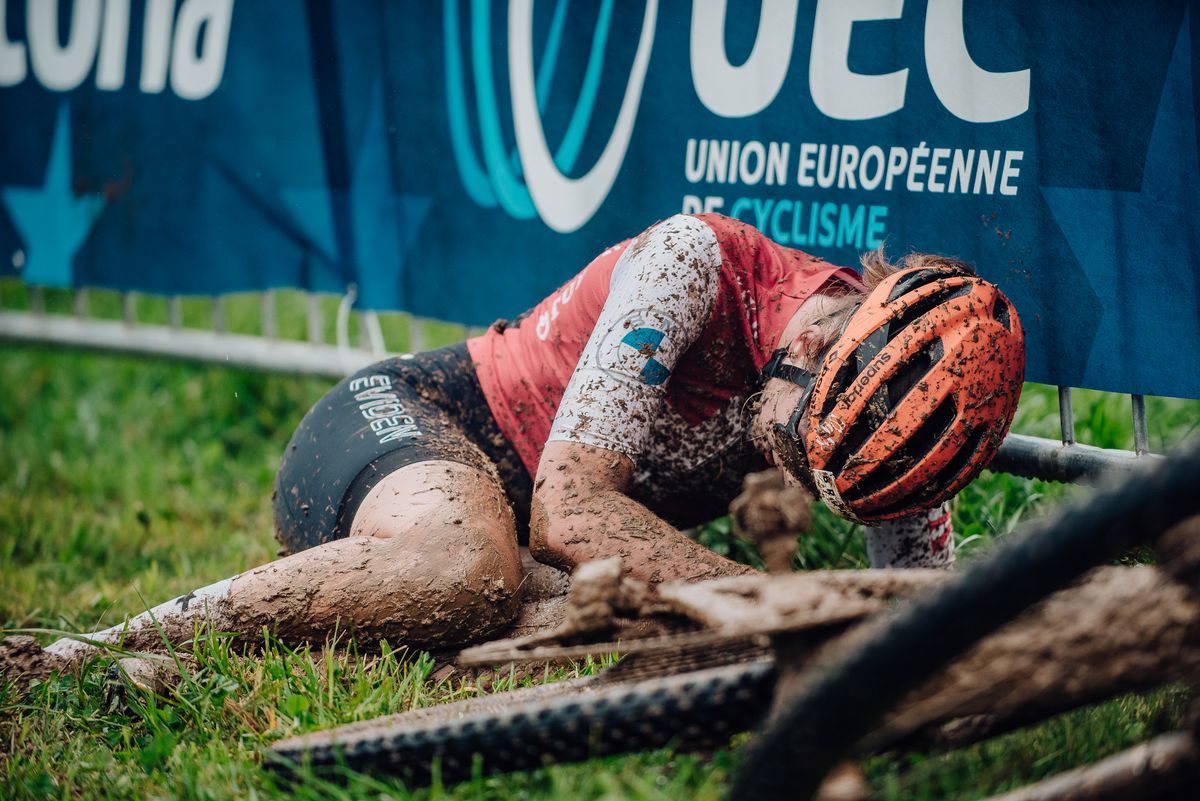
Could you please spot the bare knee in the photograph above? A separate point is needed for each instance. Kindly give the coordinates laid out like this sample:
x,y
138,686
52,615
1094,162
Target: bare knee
x,y
434,494
431,562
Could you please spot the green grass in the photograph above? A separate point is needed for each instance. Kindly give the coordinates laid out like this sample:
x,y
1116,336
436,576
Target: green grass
x,y
124,482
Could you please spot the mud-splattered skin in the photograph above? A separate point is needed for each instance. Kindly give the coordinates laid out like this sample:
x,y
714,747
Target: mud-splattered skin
x,y
431,561
582,511
651,355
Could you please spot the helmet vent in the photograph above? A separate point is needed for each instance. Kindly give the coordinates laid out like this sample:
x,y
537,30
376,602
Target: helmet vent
x,y
953,473
938,486
841,382
863,427
916,448
921,307
914,369
926,438
1002,314
920,278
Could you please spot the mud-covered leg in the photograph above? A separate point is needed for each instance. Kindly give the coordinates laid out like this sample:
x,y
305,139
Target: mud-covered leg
x,y
432,562
441,493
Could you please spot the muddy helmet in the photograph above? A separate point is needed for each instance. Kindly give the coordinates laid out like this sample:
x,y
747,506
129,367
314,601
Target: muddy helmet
x,y
912,401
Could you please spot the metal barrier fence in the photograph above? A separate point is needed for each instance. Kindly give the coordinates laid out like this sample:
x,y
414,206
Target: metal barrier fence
x,y
1029,456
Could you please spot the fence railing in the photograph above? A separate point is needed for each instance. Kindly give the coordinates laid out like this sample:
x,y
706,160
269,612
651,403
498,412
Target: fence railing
x,y
362,337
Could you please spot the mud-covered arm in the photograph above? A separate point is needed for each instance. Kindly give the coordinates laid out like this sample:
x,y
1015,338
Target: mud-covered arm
x,y
925,539
581,511
660,298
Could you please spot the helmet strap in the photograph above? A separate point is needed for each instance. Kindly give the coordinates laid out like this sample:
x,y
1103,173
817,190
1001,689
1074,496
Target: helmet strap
x,y
775,368
792,455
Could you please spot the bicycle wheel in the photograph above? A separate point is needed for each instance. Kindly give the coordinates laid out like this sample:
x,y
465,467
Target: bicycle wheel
x,y
567,722
817,728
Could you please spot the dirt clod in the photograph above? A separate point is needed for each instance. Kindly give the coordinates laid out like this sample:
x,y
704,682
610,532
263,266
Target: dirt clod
x,y
22,660
772,514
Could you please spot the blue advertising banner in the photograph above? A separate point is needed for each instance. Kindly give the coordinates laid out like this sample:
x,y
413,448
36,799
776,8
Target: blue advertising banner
x,y
460,159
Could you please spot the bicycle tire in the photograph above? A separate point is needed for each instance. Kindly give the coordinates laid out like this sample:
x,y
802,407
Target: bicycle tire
x,y
814,730
525,729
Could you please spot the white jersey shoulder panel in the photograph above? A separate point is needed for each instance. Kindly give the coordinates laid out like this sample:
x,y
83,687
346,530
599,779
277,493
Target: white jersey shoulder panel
x,y
660,298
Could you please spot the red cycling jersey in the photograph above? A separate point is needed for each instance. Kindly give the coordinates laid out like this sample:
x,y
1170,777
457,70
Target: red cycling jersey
x,y
653,350
525,366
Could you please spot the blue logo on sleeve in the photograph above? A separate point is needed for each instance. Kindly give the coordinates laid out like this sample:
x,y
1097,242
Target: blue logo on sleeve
x,y
646,341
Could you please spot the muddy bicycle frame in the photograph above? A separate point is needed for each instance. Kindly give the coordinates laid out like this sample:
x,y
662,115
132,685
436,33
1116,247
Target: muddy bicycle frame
x,y
816,728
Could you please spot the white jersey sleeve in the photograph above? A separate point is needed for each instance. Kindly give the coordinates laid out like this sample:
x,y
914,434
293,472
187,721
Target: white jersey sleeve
x,y
660,298
925,539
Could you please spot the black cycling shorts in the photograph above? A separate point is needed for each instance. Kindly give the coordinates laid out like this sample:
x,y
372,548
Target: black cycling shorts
x,y
394,413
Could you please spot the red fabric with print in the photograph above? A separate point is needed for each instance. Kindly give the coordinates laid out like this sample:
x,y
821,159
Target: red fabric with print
x,y
524,366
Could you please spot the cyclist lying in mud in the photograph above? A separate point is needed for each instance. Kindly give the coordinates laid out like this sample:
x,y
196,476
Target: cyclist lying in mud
x,y
624,407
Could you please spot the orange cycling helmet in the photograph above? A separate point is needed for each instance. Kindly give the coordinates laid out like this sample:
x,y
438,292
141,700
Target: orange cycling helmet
x,y
912,401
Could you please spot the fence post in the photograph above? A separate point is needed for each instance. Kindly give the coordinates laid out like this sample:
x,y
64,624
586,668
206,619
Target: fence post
x,y
218,314
1141,439
1066,416
314,317
129,307
343,316
416,334
373,333
269,328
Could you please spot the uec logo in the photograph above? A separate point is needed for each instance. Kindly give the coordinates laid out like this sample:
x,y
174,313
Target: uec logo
x,y
964,88
563,203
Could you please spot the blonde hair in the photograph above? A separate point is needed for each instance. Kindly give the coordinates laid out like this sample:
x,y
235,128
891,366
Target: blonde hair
x,y
833,308
876,266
